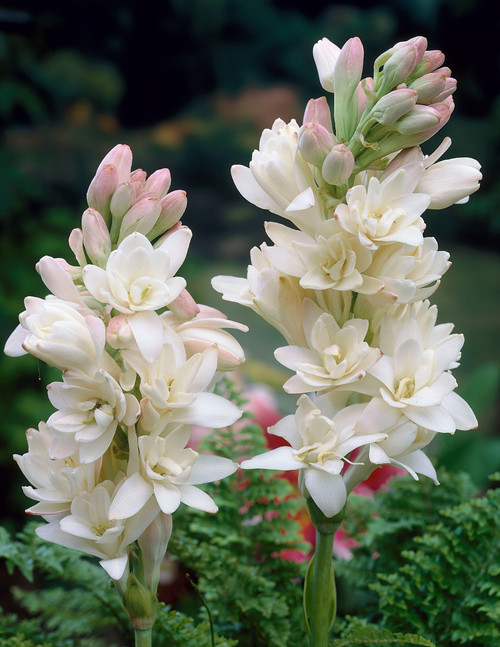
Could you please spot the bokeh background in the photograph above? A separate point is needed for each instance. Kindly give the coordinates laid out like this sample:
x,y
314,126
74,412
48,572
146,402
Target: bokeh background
x,y
189,85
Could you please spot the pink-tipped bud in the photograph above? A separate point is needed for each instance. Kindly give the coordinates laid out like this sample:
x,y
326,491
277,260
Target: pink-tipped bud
x,y
119,334
101,189
137,183
315,142
121,201
338,165
444,110
141,217
430,61
418,120
394,105
434,85
96,238
401,63
318,111
173,206
158,183
326,54
184,306
365,94
349,66
75,241
121,158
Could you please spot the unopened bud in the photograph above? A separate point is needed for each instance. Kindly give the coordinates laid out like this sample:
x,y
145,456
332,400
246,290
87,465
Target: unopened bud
x,y
450,85
158,183
101,189
338,165
140,604
137,183
121,201
430,61
318,111
184,306
153,544
315,142
346,77
76,245
433,85
400,64
365,95
173,206
394,105
121,158
325,54
418,120
444,110
141,217
119,334
96,237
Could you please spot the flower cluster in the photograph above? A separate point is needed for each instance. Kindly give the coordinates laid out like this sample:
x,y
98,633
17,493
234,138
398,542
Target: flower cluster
x,y
139,359
346,281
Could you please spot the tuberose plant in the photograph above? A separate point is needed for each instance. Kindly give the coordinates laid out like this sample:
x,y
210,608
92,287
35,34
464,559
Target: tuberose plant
x,y
347,285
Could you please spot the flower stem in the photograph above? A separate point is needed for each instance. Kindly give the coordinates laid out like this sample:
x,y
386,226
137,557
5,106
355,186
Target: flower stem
x,y
323,594
143,637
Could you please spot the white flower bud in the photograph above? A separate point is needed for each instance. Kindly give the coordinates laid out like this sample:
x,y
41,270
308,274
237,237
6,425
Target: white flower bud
x,y
338,165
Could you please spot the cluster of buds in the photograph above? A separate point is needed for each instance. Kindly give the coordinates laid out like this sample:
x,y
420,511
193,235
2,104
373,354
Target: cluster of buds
x,y
407,100
348,283
139,359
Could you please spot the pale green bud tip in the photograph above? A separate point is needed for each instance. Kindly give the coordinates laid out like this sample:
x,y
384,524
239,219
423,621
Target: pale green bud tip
x,y
315,142
338,165
318,111
394,105
400,64
140,604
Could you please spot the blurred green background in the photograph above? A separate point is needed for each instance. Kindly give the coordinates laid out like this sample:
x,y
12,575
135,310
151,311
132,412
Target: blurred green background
x,y
190,85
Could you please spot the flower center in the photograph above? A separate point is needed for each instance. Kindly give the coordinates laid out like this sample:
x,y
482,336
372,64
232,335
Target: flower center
x,y
406,388
100,529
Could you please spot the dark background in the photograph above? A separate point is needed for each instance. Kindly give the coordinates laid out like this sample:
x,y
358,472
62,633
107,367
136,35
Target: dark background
x,y
190,85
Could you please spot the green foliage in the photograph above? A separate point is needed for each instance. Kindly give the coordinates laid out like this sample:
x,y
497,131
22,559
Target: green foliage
x,y
448,585
360,633
174,629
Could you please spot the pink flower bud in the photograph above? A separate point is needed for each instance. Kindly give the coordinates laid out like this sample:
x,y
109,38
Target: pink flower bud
x,y
141,217
430,61
338,165
96,237
434,85
137,183
394,105
365,89
158,183
418,120
119,334
184,306
121,158
401,63
346,77
315,142
325,54
318,111
101,189
121,201
444,110
76,245
173,206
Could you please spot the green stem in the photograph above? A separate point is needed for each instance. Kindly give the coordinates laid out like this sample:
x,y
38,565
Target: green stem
x,y
143,637
323,595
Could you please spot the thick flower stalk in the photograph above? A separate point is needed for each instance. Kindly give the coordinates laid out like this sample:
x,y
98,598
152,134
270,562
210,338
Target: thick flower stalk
x,y
139,358
346,280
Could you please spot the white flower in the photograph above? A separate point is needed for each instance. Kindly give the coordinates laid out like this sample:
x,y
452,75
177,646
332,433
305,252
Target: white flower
x,y
58,334
384,212
205,330
139,277
169,472
55,482
450,181
173,387
90,409
334,356
89,528
279,180
413,378
329,260
321,434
